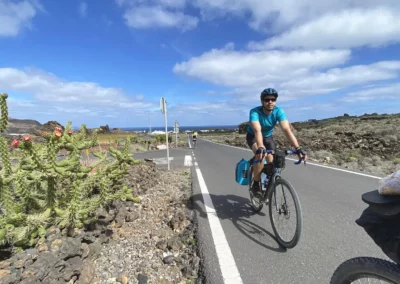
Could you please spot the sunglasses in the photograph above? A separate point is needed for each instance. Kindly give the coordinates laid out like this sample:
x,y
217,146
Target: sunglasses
x,y
269,100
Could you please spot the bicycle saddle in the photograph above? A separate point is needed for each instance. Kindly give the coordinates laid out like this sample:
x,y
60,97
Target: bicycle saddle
x,y
386,204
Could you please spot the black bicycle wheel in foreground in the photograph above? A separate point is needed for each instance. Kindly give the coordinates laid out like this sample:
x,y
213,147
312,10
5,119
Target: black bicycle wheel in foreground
x,y
366,270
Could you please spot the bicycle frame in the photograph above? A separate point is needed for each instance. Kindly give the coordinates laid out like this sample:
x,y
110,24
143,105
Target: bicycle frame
x,y
271,186
275,175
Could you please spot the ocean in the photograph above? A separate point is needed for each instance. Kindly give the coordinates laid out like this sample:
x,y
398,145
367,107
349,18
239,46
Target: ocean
x,y
181,128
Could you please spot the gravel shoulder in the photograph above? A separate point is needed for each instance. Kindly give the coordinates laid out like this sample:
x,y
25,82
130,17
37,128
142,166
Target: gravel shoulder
x,y
150,241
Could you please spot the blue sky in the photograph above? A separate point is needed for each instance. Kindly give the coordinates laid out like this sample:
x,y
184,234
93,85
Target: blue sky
x,y
110,62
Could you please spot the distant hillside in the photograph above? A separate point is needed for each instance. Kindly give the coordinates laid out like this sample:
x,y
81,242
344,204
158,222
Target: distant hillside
x,y
33,127
369,142
22,126
347,120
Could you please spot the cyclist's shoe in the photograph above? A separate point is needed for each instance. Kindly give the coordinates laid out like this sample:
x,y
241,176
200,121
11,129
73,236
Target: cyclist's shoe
x,y
256,189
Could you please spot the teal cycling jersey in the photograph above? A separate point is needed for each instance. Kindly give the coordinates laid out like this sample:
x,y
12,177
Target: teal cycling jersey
x,y
267,122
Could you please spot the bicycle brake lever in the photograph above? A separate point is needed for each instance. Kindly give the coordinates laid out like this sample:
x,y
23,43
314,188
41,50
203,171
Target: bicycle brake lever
x,y
299,161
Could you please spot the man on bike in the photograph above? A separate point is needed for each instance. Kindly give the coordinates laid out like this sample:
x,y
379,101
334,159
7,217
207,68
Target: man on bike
x,y
259,133
194,136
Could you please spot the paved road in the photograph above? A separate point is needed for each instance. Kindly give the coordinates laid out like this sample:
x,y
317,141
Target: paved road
x,y
179,158
331,202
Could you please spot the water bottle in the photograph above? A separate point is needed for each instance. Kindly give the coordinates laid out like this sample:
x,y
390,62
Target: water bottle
x,y
264,179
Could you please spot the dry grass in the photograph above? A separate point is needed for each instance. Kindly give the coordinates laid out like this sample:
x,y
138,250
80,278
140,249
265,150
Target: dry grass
x,y
116,138
87,162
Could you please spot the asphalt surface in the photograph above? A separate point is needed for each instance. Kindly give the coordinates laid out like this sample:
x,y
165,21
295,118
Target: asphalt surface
x,y
330,200
178,158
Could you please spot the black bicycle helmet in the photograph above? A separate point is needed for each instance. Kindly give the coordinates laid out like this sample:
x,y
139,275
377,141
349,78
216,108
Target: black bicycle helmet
x,y
269,91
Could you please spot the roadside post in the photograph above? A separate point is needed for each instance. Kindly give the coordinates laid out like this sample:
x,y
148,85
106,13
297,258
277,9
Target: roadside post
x,y
176,130
163,107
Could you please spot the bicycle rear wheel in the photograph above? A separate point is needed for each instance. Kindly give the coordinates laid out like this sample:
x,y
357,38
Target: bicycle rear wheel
x,y
279,205
256,203
365,270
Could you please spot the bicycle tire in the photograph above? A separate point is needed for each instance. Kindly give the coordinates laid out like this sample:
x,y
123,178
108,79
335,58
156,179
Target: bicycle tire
x,y
261,205
358,267
299,219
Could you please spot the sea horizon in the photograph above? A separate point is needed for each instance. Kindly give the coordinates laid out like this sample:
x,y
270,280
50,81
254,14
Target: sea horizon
x,y
181,128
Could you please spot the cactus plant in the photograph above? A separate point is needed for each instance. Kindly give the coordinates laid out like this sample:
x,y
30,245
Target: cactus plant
x,y
41,190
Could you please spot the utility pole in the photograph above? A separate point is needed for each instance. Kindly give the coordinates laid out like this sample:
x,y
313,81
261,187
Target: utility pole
x,y
176,130
150,122
163,107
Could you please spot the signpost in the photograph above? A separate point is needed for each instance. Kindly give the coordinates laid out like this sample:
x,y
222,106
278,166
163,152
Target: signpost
x,y
163,108
176,130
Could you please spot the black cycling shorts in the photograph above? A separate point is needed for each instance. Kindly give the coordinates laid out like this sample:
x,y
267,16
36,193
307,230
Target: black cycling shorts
x,y
269,141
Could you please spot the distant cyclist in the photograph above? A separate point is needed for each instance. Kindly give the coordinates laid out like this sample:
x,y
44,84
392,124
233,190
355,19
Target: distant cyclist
x,y
194,136
259,133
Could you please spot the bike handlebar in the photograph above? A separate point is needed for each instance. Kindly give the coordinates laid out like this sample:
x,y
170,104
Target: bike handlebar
x,y
287,152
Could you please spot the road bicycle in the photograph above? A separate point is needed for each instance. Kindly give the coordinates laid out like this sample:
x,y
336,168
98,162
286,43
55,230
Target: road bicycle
x,y
370,269
273,193
194,142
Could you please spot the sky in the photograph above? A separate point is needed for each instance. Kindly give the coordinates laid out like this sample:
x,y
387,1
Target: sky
x,y
111,61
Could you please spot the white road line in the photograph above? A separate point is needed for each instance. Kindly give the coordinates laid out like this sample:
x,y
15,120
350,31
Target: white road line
x,y
162,161
229,270
190,146
188,161
341,170
308,163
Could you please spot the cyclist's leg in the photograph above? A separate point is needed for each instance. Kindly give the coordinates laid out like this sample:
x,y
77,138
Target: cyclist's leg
x,y
269,144
257,168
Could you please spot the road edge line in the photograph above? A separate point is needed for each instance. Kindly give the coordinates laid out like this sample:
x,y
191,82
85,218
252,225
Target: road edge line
x,y
308,163
230,272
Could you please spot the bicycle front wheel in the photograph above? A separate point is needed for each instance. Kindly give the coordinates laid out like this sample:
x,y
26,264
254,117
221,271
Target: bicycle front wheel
x,y
285,213
366,270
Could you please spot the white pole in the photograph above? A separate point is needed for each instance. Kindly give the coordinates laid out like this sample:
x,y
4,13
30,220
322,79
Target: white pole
x,y
176,135
166,131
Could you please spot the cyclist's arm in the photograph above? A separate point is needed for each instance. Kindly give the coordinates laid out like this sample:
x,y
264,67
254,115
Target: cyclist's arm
x,y
285,126
257,133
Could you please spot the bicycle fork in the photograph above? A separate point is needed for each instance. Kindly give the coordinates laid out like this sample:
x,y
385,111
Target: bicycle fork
x,y
283,208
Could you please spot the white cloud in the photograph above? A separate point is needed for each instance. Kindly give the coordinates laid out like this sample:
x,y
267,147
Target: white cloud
x,y
165,3
141,17
83,6
281,14
294,73
277,16
170,3
211,113
141,14
338,78
388,92
120,2
49,92
345,29
235,69
14,16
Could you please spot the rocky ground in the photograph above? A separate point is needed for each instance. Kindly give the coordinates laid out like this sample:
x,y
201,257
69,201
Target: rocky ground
x,y
368,143
148,242
142,142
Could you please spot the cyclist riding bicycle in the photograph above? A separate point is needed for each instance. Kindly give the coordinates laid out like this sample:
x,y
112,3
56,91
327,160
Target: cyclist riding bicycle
x,y
259,133
194,136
